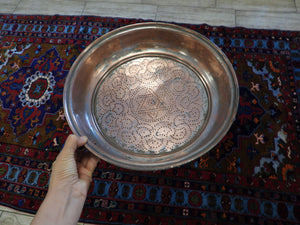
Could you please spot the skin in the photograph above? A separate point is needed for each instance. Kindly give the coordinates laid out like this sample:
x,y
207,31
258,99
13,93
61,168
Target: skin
x,y
69,183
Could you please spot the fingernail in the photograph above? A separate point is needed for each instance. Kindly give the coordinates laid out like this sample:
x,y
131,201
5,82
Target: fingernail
x,y
84,138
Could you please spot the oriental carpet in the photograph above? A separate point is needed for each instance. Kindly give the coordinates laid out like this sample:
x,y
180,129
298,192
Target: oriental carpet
x,y
250,177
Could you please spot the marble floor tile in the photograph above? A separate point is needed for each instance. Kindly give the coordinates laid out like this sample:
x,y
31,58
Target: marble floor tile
x,y
128,10
267,20
7,209
11,2
194,15
11,218
298,5
190,3
259,5
8,6
50,7
114,1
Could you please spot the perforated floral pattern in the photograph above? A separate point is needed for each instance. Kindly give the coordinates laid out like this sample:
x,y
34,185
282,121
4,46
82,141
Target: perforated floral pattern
x,y
151,105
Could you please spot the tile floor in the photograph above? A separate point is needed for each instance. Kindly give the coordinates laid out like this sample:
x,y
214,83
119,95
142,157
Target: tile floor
x,y
264,14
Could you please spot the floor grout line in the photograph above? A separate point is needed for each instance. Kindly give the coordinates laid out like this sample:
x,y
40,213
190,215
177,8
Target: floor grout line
x,y
216,4
17,5
84,7
235,24
266,12
156,13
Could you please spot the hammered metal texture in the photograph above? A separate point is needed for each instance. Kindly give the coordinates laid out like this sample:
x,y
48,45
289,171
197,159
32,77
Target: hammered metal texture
x,y
151,105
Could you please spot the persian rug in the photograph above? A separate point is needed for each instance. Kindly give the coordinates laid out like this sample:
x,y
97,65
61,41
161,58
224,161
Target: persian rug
x,y
250,177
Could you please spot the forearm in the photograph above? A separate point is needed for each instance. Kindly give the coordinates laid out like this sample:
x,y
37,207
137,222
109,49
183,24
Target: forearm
x,y
68,187
60,207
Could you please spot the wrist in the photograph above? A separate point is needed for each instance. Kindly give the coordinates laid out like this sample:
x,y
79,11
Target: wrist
x,y
77,190
61,207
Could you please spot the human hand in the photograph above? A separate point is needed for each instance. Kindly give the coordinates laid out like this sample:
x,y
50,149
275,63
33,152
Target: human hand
x,y
70,179
73,168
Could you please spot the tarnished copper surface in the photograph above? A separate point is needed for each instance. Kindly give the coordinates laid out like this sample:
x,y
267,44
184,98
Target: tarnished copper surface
x,y
151,96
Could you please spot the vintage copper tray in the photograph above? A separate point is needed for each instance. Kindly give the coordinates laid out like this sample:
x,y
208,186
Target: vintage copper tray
x,y
151,96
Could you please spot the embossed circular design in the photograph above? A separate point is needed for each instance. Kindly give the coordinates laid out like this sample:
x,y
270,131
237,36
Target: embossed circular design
x,y
151,105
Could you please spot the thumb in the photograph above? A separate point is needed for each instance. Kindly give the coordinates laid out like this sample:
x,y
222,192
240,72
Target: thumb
x,y
72,143
82,141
